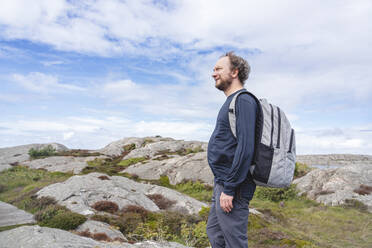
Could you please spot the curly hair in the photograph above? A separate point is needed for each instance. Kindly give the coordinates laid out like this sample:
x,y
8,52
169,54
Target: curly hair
x,y
239,63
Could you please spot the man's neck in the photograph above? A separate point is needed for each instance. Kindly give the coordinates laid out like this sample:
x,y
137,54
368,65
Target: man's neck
x,y
233,88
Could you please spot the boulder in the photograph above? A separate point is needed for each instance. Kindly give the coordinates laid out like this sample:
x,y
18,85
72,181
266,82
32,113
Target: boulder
x,y
116,148
36,237
80,192
159,147
335,186
11,215
18,154
61,163
93,227
192,167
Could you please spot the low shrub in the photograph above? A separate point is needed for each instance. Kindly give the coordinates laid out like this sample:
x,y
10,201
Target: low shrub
x,y
204,212
136,209
161,201
56,216
106,206
47,151
301,170
104,177
40,203
276,194
66,221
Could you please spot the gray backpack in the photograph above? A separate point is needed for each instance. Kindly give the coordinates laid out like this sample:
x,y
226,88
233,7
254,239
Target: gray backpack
x,y
274,158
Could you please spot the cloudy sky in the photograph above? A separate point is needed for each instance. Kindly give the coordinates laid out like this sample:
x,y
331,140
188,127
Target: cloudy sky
x,y
85,73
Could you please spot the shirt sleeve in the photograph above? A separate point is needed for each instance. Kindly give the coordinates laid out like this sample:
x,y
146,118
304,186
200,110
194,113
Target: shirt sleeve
x,y
245,132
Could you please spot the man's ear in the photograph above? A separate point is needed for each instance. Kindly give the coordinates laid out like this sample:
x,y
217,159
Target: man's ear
x,y
235,73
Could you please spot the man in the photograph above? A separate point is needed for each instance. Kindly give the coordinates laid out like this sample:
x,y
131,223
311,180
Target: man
x,y
230,158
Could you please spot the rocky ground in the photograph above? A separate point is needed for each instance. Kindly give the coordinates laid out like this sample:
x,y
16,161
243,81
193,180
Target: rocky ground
x,y
149,159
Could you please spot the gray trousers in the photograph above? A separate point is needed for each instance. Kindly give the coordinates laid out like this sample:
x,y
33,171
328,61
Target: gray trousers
x,y
228,230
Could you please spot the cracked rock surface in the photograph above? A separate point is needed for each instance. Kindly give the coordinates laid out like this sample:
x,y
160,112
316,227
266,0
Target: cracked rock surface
x,y
80,192
37,237
335,186
11,215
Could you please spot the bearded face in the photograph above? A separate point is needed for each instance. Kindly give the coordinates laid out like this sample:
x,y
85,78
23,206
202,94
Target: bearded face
x,y
223,83
222,74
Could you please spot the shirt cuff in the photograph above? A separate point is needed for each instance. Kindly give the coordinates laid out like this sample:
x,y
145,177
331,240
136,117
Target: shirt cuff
x,y
228,189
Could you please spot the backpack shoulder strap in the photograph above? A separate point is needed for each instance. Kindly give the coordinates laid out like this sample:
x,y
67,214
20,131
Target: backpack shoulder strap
x,y
232,110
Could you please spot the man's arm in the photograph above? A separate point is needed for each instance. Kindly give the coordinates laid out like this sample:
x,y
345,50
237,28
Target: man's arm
x,y
245,132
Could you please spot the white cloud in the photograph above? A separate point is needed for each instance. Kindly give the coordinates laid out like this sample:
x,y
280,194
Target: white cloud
x,y
95,132
43,83
336,140
50,63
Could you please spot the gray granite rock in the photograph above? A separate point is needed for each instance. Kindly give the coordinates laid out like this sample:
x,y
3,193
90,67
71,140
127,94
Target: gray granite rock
x,y
80,192
334,186
61,163
192,167
334,159
19,154
150,150
45,237
99,227
11,215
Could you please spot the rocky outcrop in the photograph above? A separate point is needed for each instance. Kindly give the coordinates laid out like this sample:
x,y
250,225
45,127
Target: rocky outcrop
x,y
36,237
60,163
334,159
79,193
192,167
10,215
164,147
12,155
335,186
95,227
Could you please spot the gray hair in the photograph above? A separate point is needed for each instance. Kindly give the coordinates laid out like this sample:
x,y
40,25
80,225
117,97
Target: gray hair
x,y
240,64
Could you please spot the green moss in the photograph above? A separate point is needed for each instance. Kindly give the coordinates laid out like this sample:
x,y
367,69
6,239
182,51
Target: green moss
x,y
130,161
204,212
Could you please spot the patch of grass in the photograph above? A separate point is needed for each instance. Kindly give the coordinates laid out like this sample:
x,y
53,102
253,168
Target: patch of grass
x,y
77,153
197,190
180,152
301,170
276,194
104,165
127,162
22,183
129,147
47,151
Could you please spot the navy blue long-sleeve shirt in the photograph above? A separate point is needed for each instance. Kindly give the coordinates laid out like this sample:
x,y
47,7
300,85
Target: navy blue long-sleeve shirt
x,y
230,158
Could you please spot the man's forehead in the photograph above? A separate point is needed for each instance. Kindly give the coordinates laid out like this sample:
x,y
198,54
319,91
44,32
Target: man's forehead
x,y
223,61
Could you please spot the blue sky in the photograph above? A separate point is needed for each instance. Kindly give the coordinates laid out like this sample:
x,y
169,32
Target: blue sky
x,y
86,73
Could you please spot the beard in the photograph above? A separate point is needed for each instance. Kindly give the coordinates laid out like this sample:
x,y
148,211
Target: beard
x,y
224,84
